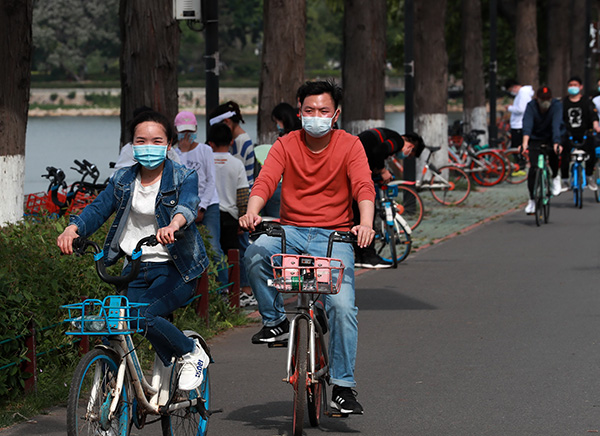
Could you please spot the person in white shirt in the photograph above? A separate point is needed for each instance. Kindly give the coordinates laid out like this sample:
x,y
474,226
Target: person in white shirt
x,y
199,157
523,95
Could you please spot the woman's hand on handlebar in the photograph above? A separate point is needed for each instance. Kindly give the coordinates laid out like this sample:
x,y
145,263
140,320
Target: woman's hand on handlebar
x,y
65,239
250,221
364,235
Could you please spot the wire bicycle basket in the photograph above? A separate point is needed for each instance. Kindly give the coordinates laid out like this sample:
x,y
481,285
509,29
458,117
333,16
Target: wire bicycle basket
x,y
294,273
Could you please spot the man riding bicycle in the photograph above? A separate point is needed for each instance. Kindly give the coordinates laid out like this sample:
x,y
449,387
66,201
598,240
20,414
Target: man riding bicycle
x,y
542,133
323,169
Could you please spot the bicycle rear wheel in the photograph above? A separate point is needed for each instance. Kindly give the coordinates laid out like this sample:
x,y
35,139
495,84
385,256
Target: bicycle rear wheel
x,y
495,168
518,166
298,379
91,394
409,204
450,185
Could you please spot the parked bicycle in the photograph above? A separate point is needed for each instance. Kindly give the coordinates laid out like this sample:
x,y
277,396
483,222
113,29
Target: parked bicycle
x,y
392,233
109,391
449,184
307,367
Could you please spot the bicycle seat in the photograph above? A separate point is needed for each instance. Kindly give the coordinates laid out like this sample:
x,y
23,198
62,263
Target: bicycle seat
x,y
433,149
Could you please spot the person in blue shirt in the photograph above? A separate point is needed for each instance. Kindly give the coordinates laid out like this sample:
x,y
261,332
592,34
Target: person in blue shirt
x,y
155,196
542,133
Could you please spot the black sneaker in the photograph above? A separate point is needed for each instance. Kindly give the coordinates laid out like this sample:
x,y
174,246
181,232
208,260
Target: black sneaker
x,y
344,400
279,332
372,261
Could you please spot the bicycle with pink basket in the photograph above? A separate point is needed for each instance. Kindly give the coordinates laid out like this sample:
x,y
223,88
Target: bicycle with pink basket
x,y
307,360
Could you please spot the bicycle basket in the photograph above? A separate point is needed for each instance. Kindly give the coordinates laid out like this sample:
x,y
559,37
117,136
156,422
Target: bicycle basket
x,y
294,273
115,315
34,203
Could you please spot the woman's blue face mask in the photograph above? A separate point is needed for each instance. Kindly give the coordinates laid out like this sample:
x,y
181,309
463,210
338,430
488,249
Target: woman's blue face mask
x,y
150,156
191,136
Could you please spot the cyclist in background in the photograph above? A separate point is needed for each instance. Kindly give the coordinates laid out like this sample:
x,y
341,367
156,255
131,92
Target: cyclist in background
x,y
155,196
323,169
542,125
580,117
379,144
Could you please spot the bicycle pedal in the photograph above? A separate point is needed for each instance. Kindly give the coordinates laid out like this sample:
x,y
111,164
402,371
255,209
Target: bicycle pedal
x,y
336,414
278,344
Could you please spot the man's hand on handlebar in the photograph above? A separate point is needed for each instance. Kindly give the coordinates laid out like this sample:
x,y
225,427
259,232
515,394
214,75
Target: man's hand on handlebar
x,y
250,221
364,235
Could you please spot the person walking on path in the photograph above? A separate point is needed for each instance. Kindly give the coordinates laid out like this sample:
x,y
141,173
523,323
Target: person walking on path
x,y
522,95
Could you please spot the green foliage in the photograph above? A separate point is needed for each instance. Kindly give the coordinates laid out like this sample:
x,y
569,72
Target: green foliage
x,y
323,35
103,99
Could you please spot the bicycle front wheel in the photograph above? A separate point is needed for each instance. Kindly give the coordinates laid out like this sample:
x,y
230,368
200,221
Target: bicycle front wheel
x,y
547,195
450,185
597,179
315,394
298,379
579,189
91,394
493,165
409,204
538,197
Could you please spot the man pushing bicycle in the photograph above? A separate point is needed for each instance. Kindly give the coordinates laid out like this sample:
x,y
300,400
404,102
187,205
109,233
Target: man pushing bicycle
x,y
323,169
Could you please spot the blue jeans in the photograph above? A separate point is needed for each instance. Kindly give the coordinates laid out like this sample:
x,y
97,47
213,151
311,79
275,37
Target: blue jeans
x,y
212,222
160,284
340,307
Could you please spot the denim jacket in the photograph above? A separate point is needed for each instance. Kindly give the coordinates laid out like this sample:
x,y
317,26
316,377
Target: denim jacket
x,y
178,194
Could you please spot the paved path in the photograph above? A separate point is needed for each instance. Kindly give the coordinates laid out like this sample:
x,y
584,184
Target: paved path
x,y
494,332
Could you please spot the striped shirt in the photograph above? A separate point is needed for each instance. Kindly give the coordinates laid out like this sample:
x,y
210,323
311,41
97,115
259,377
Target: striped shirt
x,y
243,149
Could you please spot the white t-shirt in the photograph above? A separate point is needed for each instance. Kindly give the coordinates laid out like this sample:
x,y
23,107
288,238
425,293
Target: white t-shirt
x,y
596,101
200,159
141,222
517,109
231,176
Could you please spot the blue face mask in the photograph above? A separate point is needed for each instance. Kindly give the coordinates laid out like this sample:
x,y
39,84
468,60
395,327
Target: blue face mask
x,y
317,127
573,90
191,135
401,155
150,156
280,130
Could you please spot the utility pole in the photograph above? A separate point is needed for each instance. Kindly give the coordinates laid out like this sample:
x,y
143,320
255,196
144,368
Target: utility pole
x,y
588,49
493,131
210,17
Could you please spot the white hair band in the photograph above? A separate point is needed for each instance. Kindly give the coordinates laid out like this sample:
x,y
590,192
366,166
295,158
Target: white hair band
x,y
221,117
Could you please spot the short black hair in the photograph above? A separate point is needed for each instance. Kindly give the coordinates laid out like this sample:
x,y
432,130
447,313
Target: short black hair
x,y
320,87
155,117
543,93
417,140
575,79
510,83
219,134
285,113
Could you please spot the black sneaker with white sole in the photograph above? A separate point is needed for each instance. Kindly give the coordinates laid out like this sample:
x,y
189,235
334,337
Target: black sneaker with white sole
x,y
280,332
344,400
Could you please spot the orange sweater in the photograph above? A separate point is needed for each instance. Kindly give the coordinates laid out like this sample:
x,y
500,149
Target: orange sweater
x,y
317,189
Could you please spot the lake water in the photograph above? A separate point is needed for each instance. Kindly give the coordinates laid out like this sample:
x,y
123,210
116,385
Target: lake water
x,y
57,141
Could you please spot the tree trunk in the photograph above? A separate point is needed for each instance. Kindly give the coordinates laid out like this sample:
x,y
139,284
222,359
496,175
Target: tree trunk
x,y
149,53
363,71
579,38
528,63
431,77
475,113
16,18
558,46
283,56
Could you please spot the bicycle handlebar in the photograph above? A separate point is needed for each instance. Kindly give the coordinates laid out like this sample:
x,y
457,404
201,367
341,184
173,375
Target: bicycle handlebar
x,y
274,229
80,246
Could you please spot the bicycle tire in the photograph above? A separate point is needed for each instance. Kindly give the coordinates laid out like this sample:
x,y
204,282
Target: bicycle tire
x,y
191,420
403,239
495,168
315,399
409,204
458,189
90,396
298,378
580,187
538,197
547,195
518,168
384,242
597,179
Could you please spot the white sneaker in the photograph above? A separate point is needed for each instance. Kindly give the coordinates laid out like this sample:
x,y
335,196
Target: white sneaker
x,y
565,185
247,300
530,208
591,182
556,186
193,364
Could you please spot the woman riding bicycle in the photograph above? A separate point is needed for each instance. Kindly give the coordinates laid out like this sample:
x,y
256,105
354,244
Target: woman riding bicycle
x,y
542,133
155,196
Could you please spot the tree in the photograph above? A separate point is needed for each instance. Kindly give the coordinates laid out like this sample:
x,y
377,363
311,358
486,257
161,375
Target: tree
x,y
363,71
71,34
558,45
579,37
150,46
282,69
16,18
431,76
528,63
475,113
